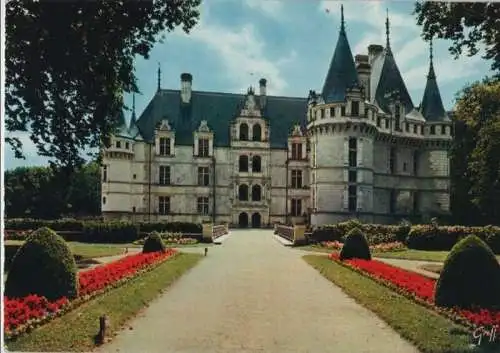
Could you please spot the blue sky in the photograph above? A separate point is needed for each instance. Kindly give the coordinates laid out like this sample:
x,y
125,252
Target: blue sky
x,y
290,43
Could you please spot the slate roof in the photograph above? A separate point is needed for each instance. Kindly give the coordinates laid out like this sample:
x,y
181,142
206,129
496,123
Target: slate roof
x,y
386,79
219,110
432,105
342,73
122,128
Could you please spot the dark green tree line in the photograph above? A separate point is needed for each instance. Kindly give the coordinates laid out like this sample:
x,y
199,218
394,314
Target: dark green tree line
x,y
37,192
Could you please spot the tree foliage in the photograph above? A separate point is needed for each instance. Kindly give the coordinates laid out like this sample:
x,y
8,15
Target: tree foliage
x,y
466,24
39,192
68,64
475,154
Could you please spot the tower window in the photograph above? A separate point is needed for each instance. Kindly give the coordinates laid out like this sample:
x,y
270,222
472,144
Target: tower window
x,y
118,144
354,108
332,112
443,130
352,197
243,164
322,113
379,121
353,176
353,154
342,110
397,117
415,163
105,173
415,129
392,160
386,123
244,132
433,130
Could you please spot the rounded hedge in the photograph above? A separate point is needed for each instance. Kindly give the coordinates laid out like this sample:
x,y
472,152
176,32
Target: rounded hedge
x,y
355,246
153,243
470,276
45,266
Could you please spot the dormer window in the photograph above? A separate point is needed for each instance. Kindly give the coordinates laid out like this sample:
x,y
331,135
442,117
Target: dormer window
x,y
443,130
244,132
322,113
296,151
257,133
342,110
164,146
415,127
354,108
332,112
433,130
203,147
118,144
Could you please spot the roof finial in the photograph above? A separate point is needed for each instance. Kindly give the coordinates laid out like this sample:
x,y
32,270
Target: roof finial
x,y
342,22
432,74
430,52
388,44
159,76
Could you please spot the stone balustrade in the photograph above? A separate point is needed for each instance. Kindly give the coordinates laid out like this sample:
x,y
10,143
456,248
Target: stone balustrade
x,y
212,232
294,234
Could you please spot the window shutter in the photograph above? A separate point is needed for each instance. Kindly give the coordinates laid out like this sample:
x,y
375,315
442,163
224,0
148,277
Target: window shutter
x,y
360,152
360,198
346,151
345,199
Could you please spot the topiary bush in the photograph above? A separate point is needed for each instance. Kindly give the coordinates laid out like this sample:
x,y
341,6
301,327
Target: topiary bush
x,y
470,276
355,246
153,243
43,265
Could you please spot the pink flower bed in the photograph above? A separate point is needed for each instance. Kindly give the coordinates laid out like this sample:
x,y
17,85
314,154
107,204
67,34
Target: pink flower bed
x,y
22,314
418,287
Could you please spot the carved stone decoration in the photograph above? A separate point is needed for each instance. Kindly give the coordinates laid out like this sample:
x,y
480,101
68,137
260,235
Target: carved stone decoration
x,y
203,126
164,125
297,131
250,103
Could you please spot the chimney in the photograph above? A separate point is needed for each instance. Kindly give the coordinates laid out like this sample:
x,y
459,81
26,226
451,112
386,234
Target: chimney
x,y
186,83
363,68
373,51
262,92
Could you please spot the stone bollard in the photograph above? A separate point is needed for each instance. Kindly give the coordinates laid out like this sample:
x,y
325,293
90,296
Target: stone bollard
x,y
103,328
206,251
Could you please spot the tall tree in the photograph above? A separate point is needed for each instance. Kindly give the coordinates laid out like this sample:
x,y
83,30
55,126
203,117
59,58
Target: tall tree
x,y
68,64
466,24
475,156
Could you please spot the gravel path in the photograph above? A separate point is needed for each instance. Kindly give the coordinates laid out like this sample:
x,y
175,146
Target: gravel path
x,y
252,294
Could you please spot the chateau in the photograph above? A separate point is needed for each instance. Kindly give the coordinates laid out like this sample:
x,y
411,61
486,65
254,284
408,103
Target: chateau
x,y
359,148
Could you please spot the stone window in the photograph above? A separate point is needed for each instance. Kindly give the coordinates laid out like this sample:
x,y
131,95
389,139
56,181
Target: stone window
x,y
133,209
322,113
104,200
407,127
379,121
353,176
342,110
203,176
243,192
353,194
256,193
118,144
392,160
443,130
296,151
164,175
353,154
202,205
397,117
105,173
332,112
416,156
163,205
392,201
203,148
257,132
296,207
134,176
433,130
256,164
416,203
386,123
244,132
415,127
354,108
164,146
421,129
296,179
127,145
243,164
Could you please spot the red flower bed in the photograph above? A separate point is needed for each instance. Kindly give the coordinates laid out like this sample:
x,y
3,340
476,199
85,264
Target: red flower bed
x,y
100,277
417,286
21,314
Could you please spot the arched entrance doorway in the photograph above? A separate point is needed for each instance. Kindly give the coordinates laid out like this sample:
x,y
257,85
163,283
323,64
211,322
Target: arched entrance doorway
x,y
243,220
256,220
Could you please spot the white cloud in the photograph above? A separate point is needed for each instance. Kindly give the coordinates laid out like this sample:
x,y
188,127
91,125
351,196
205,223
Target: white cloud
x,y
243,55
271,8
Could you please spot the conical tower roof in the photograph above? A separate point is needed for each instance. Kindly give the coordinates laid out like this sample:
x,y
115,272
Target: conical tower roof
x,y
432,105
132,129
342,73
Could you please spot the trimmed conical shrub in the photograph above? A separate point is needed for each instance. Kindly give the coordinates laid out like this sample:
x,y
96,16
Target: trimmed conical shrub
x,y
44,266
153,243
470,276
355,246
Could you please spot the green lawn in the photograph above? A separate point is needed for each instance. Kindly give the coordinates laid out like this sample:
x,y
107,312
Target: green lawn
x,y
427,330
84,250
76,330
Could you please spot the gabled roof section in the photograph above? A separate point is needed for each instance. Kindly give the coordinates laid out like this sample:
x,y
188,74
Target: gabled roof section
x,y
432,105
342,72
219,110
387,82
